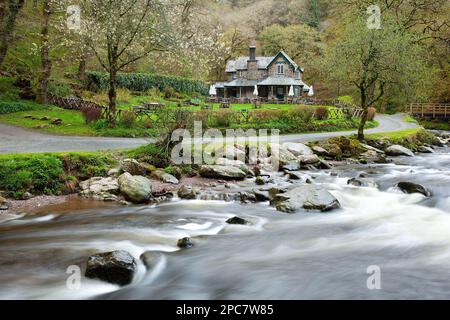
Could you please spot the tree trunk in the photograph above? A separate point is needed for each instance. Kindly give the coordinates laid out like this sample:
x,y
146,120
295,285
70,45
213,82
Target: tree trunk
x,y
112,94
362,124
8,14
45,56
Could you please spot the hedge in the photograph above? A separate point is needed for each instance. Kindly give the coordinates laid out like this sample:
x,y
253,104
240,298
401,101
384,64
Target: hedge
x,y
13,106
142,82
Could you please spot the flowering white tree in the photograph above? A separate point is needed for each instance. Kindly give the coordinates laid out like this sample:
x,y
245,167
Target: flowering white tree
x,y
121,32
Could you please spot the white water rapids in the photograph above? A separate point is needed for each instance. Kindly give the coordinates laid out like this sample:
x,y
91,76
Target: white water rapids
x,y
279,256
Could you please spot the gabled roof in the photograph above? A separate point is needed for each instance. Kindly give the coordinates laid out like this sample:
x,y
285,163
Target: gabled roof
x,y
283,54
263,62
241,63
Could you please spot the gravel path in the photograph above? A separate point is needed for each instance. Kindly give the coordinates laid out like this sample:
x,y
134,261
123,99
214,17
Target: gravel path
x,y
18,140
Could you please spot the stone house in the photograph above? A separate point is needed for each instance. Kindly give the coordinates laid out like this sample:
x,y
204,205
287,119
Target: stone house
x,y
274,76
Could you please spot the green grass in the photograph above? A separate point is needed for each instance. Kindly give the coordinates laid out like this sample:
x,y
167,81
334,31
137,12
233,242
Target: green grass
x,y
394,135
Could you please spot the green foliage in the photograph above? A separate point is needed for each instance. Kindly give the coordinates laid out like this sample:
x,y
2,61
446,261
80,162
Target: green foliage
x,y
17,106
175,171
38,174
60,89
151,153
128,119
7,89
143,82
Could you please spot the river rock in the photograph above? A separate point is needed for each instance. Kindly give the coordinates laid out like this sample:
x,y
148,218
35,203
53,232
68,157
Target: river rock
x,y
247,197
185,243
425,149
292,166
298,149
222,172
334,150
396,150
165,177
99,188
261,195
133,167
370,148
309,197
320,151
237,220
234,163
115,172
3,204
361,182
57,122
409,187
187,192
280,155
135,188
151,258
311,159
117,267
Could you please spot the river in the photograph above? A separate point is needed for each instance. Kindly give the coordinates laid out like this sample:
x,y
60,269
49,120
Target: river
x,y
279,256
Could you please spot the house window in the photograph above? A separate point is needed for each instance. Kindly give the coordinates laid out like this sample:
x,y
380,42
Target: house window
x,y
281,69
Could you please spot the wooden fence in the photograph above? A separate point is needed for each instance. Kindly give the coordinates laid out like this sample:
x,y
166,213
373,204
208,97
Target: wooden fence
x,y
429,110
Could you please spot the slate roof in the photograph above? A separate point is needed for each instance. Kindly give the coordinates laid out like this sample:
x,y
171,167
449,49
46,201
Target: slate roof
x,y
241,63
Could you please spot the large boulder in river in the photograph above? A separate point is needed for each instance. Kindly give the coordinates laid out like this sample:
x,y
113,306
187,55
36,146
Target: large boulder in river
x,y
117,267
309,197
3,204
297,149
409,187
222,172
310,159
320,151
135,188
396,150
281,155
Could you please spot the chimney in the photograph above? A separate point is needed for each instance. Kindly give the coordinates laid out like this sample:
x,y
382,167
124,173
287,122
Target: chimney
x,y
252,53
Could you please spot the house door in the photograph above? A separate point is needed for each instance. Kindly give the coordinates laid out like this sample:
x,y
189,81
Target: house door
x,y
280,93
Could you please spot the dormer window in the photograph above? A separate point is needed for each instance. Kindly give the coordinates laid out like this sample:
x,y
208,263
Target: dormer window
x,y
280,68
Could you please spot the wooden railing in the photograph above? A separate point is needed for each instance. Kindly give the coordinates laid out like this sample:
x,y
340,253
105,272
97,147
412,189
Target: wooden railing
x,y
429,110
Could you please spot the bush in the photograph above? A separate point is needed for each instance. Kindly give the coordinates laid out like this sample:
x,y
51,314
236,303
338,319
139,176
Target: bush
x,y
128,119
154,94
147,123
92,114
371,114
60,89
143,82
151,153
8,90
13,106
346,99
123,95
321,113
41,174
169,92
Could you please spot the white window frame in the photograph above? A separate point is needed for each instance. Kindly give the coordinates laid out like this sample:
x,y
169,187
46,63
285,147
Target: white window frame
x,y
280,68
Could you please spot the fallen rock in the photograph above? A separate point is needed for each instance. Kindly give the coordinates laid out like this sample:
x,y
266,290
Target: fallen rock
x,y
292,166
222,172
117,267
409,187
396,150
280,155
309,197
133,167
297,149
135,188
165,177
187,193
334,150
237,220
44,119
115,172
247,197
149,168
185,243
370,148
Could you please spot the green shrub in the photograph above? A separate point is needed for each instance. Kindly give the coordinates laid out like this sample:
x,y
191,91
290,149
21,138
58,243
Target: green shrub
x,y
40,174
152,154
143,82
60,89
8,91
128,119
15,106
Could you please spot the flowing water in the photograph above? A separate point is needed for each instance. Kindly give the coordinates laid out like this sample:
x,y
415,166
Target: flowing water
x,y
279,256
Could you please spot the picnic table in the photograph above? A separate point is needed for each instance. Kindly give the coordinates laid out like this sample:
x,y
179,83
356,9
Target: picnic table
x,y
148,109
